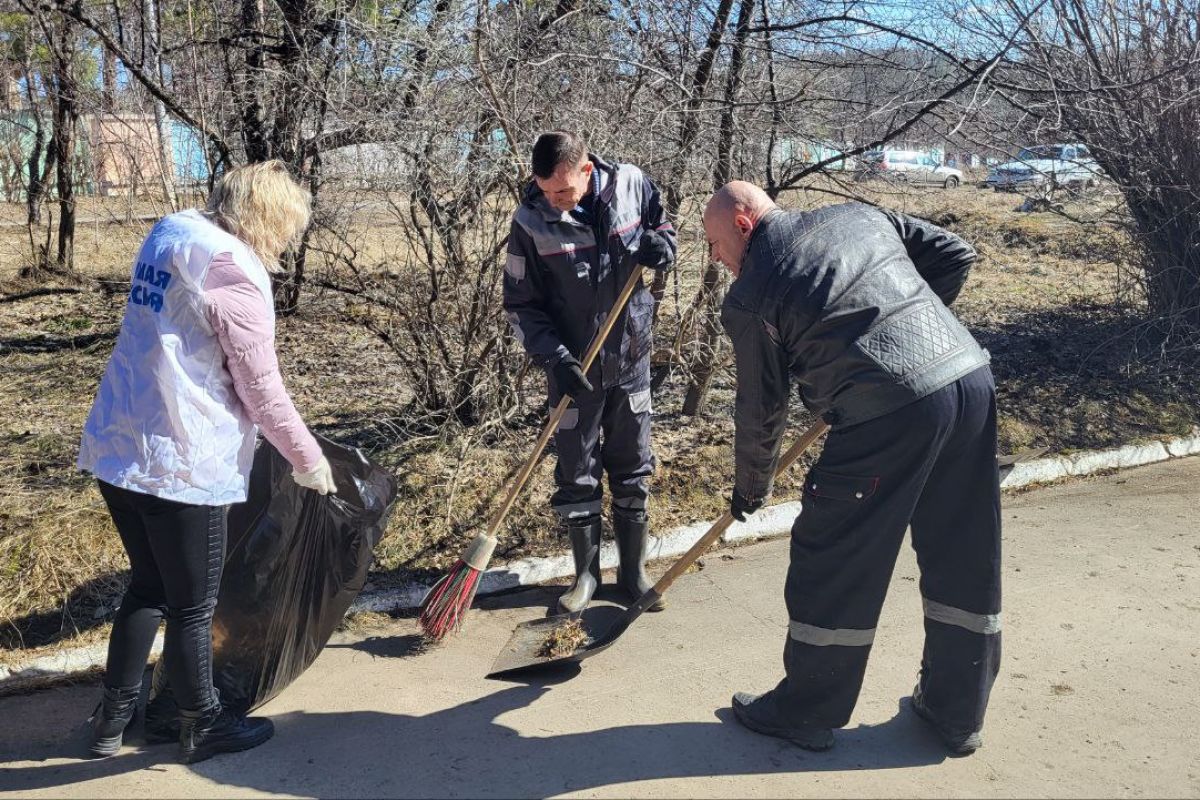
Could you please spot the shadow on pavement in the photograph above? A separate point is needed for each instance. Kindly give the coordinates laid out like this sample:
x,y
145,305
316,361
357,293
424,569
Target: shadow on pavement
x,y
408,645
468,751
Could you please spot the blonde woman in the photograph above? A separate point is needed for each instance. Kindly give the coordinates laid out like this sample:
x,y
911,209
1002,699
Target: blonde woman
x,y
170,440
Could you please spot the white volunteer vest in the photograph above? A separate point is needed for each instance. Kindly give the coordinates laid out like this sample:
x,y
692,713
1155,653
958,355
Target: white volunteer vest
x,y
166,420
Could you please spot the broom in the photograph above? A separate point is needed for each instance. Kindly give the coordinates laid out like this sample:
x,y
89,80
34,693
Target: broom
x,y
448,600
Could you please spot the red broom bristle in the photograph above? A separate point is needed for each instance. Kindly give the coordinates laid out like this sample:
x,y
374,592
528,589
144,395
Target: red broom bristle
x,y
448,601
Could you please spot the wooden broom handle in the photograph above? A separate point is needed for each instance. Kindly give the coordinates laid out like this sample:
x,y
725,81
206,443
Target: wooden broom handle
x,y
635,279
791,456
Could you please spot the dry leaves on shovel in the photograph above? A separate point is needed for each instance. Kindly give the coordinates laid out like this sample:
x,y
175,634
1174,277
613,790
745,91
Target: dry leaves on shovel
x,y
563,640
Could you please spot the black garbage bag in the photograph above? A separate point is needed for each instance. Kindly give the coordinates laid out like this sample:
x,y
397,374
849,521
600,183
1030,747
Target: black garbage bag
x,y
294,563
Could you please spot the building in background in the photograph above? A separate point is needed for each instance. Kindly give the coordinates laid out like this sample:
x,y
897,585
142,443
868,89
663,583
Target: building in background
x,y
117,153
127,155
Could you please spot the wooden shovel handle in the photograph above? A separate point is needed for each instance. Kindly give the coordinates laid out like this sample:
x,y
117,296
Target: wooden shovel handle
x,y
635,279
793,453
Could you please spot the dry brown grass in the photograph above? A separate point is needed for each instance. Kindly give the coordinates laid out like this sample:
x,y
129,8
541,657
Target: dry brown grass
x,y
55,546
363,622
1041,298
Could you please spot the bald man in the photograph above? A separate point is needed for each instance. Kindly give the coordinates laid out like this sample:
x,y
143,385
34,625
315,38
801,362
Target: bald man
x,y
852,303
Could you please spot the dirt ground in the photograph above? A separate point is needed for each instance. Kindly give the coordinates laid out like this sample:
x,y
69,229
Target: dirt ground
x,y
1075,363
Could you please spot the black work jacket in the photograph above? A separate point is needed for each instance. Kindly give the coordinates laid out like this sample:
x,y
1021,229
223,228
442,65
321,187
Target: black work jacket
x,y
852,302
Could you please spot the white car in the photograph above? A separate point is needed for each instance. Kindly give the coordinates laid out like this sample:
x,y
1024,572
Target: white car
x,y
1047,167
908,166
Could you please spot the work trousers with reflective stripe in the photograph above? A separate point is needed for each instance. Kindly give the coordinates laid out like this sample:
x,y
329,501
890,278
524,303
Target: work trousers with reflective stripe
x,y
607,430
931,465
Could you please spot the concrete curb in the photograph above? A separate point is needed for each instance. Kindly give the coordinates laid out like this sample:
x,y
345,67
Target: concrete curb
x,y
63,664
772,521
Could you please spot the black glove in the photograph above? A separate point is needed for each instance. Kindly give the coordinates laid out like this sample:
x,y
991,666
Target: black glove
x,y
654,252
740,507
568,375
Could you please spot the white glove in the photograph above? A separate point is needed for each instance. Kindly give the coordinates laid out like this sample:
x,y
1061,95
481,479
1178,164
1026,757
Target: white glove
x,y
319,478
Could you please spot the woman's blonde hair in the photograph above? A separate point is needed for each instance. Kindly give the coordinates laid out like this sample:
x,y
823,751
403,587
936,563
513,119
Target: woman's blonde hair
x,y
263,206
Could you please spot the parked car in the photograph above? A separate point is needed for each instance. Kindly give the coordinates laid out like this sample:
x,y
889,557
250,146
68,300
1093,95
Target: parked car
x,y
1047,166
909,166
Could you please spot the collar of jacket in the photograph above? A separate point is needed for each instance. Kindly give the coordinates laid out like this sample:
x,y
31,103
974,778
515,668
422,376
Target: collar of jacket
x,y
759,251
536,199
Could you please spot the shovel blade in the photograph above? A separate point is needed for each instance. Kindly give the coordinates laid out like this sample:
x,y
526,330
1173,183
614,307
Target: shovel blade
x,y
527,641
603,626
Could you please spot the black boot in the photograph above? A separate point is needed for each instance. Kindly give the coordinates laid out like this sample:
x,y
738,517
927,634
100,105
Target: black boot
x,y
959,743
204,734
114,713
759,713
161,720
585,546
633,534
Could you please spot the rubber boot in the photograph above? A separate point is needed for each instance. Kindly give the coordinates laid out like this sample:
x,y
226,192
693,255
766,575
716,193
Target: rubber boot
x,y
585,546
204,734
633,535
114,713
161,720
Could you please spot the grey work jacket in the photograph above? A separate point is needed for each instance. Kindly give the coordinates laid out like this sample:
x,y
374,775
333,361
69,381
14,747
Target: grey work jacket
x,y
562,276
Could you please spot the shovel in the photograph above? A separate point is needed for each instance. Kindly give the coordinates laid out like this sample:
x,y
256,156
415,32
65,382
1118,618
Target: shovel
x,y
523,651
1005,464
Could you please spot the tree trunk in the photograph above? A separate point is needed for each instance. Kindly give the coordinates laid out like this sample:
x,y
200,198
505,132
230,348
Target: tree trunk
x,y
711,350
37,180
64,143
33,195
723,171
711,340
66,120
287,290
166,161
254,126
689,130
1172,242
108,82
689,127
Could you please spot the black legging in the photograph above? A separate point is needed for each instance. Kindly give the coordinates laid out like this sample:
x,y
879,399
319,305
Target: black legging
x,y
176,552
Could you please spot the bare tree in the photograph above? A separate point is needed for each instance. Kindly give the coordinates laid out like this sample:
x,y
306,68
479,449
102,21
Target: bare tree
x,y
1124,78
27,53
710,341
818,85
63,83
420,114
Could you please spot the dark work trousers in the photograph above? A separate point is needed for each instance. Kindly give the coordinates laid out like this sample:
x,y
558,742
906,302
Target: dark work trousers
x,y
931,464
176,552
607,430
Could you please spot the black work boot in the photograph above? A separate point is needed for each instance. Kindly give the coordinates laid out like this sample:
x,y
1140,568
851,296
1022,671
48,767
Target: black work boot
x,y
114,713
958,743
585,546
161,720
633,534
759,713
204,734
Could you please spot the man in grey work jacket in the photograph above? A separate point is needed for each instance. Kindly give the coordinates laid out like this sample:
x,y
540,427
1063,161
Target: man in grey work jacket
x,y
852,303
570,251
